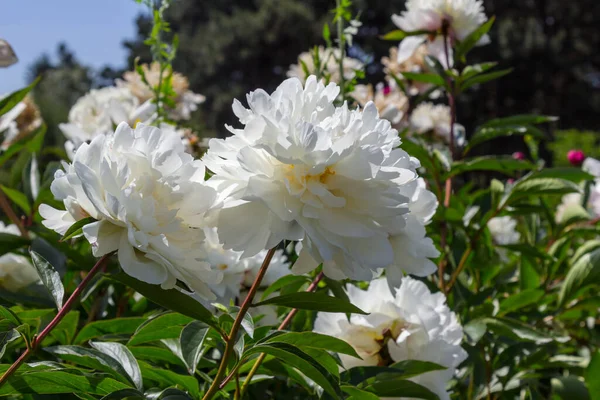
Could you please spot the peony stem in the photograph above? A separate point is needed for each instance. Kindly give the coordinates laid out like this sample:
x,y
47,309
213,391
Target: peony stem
x,y
56,320
340,34
6,207
230,343
281,327
448,188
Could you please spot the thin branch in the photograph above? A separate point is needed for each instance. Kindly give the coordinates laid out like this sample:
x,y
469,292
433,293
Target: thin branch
x,y
230,344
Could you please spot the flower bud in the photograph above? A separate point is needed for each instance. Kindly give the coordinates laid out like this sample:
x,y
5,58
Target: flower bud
x,y
575,157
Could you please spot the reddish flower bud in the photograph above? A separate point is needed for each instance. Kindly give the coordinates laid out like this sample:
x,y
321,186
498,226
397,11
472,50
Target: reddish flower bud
x,y
575,157
518,155
386,90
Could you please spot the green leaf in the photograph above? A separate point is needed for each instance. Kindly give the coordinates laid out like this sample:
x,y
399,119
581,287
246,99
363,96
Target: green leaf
x,y
247,321
570,174
91,358
124,357
60,382
358,394
18,198
569,388
519,331
283,282
410,368
77,228
10,101
529,278
157,355
6,338
313,301
32,143
10,242
124,394
10,316
592,374
313,340
117,326
584,271
64,332
425,77
191,341
167,378
528,250
301,360
163,326
483,78
543,186
522,119
171,299
50,278
520,300
476,69
485,134
464,46
401,388
397,35
505,165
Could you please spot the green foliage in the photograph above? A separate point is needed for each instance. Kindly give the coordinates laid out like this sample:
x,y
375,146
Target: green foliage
x,y
573,139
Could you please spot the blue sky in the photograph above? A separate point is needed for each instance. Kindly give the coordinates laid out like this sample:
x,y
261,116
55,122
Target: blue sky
x,y
92,29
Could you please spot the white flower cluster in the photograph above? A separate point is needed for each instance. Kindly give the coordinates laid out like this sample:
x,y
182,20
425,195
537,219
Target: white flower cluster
x,y
16,271
434,119
150,202
503,230
101,110
413,324
238,272
455,19
303,169
328,63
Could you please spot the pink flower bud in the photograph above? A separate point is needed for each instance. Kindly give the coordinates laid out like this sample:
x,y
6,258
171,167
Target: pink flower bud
x,y
386,90
518,155
575,157
510,181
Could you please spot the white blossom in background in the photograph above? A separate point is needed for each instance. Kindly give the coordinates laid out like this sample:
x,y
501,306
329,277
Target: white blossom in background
x,y
503,230
99,111
415,63
461,17
19,121
328,58
150,202
429,118
409,324
392,104
186,101
16,271
303,169
239,272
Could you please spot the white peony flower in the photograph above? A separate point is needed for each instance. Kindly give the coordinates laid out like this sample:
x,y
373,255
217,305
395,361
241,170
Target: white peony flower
x,y
150,200
304,169
99,111
186,101
16,271
391,103
458,17
413,324
503,230
330,67
429,118
238,272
